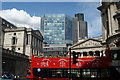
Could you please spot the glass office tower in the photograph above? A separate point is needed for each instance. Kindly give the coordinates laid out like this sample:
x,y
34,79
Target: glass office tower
x,y
57,29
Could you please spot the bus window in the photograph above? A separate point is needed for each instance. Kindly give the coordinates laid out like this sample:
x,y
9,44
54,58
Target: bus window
x,y
55,73
59,73
65,73
94,73
86,73
105,73
75,73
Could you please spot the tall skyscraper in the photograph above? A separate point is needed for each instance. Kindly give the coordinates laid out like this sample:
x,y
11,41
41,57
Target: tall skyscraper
x,y
57,29
79,27
80,16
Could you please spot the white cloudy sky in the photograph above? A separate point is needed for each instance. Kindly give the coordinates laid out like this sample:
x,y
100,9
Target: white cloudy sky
x,y
20,18
27,14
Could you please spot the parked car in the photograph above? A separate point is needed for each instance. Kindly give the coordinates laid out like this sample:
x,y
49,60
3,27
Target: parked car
x,y
8,75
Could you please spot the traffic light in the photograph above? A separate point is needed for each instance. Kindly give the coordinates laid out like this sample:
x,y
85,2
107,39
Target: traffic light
x,y
75,57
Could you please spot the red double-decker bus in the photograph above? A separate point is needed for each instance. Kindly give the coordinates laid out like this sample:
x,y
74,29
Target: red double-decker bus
x,y
86,68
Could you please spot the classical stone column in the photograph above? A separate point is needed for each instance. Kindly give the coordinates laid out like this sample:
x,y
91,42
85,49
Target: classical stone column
x,y
35,41
101,53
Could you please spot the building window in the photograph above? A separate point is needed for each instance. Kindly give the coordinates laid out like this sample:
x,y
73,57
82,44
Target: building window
x,y
7,25
86,73
18,48
84,53
27,39
14,40
3,22
97,53
14,33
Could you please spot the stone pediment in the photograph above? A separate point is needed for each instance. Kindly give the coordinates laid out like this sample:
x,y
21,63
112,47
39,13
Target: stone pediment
x,y
88,43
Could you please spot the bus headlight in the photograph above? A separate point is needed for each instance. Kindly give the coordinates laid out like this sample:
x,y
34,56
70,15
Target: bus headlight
x,y
38,69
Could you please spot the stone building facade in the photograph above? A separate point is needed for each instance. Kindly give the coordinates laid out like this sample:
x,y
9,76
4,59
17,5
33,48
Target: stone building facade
x,y
23,40
90,46
3,24
110,13
17,44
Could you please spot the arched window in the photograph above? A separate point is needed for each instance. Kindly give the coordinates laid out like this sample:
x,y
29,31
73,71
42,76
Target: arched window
x,y
97,53
90,53
84,53
79,54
